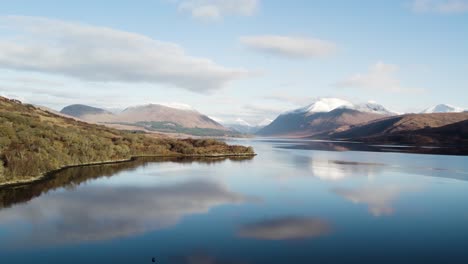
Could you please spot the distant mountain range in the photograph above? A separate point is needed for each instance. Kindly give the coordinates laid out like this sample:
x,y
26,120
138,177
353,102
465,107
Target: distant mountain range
x,y
152,117
338,119
443,108
245,127
322,115
324,118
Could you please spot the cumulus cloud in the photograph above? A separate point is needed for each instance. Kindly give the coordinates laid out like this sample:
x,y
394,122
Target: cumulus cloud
x,y
296,47
216,9
286,228
103,54
440,6
381,77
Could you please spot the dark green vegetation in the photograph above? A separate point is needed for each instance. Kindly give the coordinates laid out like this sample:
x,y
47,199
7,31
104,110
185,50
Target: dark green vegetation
x,y
34,141
172,127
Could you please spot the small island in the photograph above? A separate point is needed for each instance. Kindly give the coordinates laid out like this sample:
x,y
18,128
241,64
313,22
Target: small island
x,y
35,142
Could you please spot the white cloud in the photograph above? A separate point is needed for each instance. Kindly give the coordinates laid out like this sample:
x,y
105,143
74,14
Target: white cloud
x,y
103,54
440,6
381,77
297,47
216,9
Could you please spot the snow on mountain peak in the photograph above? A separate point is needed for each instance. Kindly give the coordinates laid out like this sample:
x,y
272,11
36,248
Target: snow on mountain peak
x,y
265,122
323,105
177,105
174,105
373,107
242,122
329,104
443,108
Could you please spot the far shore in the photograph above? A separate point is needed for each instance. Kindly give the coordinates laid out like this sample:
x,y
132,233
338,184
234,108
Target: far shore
x,y
45,175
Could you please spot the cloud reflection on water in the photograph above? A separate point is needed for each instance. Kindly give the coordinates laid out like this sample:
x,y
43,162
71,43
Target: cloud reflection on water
x,y
378,198
286,228
97,213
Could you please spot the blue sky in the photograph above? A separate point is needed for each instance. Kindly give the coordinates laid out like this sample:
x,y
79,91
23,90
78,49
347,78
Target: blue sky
x,y
230,59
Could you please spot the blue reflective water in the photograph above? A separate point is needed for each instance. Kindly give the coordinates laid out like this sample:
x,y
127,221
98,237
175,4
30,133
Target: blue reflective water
x,y
290,204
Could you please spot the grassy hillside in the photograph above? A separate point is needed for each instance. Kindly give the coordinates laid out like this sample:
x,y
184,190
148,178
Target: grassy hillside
x,y
34,141
313,124
171,127
417,129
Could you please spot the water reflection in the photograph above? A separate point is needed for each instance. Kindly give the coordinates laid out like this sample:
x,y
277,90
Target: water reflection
x,y
98,213
356,146
203,213
334,170
73,177
286,228
337,170
378,198
202,258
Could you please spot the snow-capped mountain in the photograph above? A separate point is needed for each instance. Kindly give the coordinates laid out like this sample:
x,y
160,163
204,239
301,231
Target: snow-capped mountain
x,y
323,115
443,108
265,122
242,122
245,127
155,117
373,107
324,105
321,105
173,105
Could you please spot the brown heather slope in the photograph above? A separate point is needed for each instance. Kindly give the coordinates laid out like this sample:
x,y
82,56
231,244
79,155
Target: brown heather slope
x,y
313,124
34,141
146,113
418,129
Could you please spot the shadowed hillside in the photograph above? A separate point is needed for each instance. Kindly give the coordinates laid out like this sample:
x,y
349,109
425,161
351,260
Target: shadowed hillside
x,y
432,129
310,124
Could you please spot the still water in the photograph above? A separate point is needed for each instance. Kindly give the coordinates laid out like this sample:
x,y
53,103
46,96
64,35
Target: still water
x,y
296,202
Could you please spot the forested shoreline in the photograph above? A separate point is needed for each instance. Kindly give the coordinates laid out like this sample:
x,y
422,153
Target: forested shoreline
x,y
34,141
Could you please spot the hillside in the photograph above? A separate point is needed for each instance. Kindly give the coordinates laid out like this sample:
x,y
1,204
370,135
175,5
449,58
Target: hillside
x,y
439,128
311,124
34,141
154,117
80,111
323,115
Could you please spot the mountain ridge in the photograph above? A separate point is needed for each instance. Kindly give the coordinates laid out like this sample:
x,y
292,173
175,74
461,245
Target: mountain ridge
x,y
153,117
409,128
322,115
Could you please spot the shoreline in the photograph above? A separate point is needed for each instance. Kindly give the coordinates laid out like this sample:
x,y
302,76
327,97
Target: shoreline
x,y
48,174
